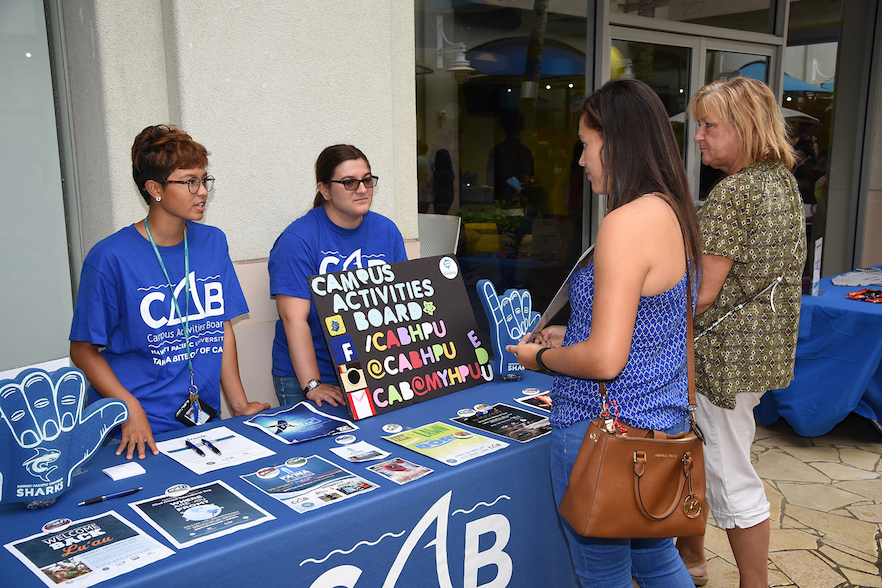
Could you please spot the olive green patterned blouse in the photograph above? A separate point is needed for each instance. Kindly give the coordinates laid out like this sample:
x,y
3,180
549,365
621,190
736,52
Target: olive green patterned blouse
x,y
756,218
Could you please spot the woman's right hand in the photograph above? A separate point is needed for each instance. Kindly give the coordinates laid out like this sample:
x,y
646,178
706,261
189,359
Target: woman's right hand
x,y
552,336
136,433
326,393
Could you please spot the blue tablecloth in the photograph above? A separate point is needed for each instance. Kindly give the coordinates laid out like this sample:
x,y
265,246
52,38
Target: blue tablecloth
x,y
837,365
469,525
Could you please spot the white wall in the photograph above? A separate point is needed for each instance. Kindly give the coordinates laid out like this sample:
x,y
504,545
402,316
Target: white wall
x,y
265,86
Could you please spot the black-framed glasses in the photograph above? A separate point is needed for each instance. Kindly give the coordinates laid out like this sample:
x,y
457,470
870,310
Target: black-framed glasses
x,y
194,183
352,185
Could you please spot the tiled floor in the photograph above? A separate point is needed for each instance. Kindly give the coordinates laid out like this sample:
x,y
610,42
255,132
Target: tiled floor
x,y
826,495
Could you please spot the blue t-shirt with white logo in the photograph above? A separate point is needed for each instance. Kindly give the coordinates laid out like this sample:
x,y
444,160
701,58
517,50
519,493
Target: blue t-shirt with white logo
x,y
314,245
124,304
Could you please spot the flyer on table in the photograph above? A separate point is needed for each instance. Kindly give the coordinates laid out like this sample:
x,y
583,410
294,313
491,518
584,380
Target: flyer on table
x,y
231,449
301,422
88,551
400,470
509,422
446,443
308,483
205,512
541,401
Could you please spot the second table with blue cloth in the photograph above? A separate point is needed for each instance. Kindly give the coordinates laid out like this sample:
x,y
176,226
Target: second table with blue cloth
x,y
837,371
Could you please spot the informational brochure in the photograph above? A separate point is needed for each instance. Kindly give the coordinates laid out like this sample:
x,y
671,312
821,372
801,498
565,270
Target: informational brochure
x,y
360,452
308,483
446,443
230,448
300,423
509,422
88,551
540,401
204,512
400,470
563,293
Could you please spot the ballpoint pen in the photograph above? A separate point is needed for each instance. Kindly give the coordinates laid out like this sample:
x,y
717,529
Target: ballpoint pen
x,y
211,446
194,448
98,499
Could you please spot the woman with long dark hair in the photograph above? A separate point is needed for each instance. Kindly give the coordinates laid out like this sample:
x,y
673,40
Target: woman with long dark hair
x,y
339,233
627,327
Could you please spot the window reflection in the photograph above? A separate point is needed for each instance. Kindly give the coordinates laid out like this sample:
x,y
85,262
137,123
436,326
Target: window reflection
x,y
665,69
811,57
500,149
745,15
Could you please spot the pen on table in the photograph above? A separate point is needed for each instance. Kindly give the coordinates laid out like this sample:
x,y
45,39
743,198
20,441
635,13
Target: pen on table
x,y
194,448
211,446
98,499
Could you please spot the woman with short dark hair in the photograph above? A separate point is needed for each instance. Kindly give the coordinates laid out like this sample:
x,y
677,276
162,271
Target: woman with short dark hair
x,y
151,325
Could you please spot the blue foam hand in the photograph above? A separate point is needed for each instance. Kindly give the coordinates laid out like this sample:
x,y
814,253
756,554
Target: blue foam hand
x,y
48,435
511,318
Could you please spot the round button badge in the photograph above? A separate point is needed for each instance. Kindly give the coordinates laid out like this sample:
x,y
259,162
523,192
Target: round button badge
x,y
392,428
530,391
177,490
483,408
57,525
466,412
345,439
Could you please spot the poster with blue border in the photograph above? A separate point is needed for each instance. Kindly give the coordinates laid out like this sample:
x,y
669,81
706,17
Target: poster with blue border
x,y
400,333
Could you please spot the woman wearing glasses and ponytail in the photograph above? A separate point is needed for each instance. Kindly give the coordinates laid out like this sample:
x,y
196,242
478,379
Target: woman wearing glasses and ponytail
x,y
339,233
151,326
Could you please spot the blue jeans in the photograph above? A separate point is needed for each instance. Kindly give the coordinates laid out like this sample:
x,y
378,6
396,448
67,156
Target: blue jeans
x,y
611,563
288,390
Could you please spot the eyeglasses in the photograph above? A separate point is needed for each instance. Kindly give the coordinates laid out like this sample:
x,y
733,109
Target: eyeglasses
x,y
194,183
352,185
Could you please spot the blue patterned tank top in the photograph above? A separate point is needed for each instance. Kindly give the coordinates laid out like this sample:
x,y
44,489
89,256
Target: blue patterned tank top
x,y
651,391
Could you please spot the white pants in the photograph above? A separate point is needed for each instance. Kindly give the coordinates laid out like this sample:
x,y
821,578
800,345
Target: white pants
x,y
735,493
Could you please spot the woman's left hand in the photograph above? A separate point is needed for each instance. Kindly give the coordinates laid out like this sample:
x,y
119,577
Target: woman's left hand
x,y
249,409
525,352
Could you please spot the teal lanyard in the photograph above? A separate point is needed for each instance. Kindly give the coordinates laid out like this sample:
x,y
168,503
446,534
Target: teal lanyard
x,y
185,319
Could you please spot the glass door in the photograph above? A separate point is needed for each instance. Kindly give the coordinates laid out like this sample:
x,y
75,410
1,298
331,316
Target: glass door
x,y
676,66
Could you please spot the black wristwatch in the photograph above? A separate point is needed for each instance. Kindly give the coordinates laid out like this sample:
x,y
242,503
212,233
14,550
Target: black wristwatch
x,y
311,385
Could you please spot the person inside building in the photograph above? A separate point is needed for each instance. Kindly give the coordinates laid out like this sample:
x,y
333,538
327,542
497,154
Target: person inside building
x,y
339,233
151,325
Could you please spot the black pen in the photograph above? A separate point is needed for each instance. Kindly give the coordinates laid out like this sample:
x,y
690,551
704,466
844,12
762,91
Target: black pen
x,y
194,448
111,495
210,446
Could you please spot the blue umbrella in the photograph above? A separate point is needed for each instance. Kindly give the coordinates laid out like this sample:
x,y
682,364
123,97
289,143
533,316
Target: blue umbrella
x,y
508,57
757,71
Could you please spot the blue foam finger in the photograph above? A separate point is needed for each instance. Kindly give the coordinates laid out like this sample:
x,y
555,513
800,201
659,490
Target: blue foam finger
x,y
40,395
48,435
503,315
70,397
18,416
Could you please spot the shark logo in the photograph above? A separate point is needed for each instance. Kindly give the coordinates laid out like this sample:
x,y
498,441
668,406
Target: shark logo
x,y
39,465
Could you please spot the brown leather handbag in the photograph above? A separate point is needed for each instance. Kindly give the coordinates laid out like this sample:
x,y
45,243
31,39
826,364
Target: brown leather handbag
x,y
630,483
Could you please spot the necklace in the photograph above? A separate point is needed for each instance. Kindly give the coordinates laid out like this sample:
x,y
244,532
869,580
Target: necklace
x,y
184,319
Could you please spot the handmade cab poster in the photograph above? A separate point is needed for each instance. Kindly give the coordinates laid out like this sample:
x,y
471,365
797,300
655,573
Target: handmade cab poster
x,y
400,333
